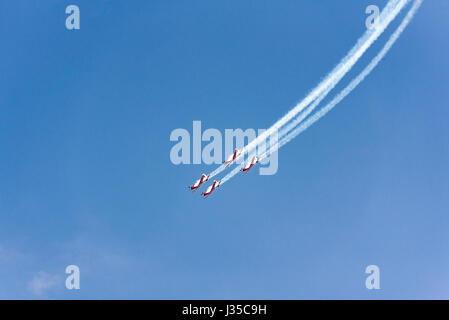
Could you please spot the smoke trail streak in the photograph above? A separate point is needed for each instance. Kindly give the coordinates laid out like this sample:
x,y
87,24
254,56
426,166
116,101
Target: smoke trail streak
x,y
352,85
390,11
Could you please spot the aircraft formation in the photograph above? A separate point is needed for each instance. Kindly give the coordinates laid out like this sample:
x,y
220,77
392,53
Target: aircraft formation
x,y
299,118
216,183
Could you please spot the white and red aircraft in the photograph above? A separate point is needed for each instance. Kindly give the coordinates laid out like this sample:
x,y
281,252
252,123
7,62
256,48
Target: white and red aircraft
x,y
232,157
211,188
250,164
199,182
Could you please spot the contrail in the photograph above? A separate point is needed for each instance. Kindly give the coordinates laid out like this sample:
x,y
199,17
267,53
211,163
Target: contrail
x,y
352,85
390,11
339,97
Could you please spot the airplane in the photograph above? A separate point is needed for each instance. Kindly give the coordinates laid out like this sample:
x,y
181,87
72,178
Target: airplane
x,y
232,157
211,188
199,182
250,164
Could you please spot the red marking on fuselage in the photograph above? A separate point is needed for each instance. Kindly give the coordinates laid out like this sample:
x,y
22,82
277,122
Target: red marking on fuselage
x,y
199,182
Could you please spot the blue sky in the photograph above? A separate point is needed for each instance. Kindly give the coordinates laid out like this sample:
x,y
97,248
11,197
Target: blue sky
x,y
86,178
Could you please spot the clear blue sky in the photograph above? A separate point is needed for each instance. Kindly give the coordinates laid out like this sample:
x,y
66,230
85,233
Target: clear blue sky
x,y
86,179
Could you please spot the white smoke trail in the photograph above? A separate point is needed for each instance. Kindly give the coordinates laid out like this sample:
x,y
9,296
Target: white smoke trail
x,y
390,11
352,85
